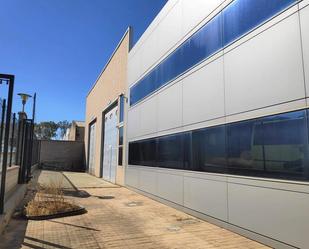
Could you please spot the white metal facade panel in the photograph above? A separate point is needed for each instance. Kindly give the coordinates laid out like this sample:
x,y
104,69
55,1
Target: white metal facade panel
x,y
279,214
303,3
148,181
169,30
170,107
266,70
195,13
148,52
170,187
132,177
134,121
148,116
161,39
206,196
110,145
134,69
293,105
91,160
304,22
203,93
152,27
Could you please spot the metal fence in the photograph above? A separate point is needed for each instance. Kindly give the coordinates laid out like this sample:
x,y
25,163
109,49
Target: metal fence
x,y
11,150
18,145
2,118
27,150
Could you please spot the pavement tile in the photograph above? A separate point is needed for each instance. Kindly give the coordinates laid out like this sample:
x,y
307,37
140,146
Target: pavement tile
x,y
127,220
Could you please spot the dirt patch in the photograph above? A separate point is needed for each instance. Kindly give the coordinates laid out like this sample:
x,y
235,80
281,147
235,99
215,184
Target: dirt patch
x,y
49,201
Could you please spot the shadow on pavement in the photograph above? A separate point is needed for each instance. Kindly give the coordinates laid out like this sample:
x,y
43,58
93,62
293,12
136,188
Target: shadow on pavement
x,y
68,224
76,193
43,242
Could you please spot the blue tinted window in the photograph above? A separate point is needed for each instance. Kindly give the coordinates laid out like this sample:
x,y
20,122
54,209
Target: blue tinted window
x,y
274,146
208,149
202,44
187,150
286,145
243,15
170,152
143,153
120,155
134,153
234,21
284,129
174,151
121,106
142,89
148,152
242,154
120,141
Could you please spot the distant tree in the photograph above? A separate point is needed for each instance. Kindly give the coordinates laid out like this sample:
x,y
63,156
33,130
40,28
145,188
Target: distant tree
x,y
46,130
63,126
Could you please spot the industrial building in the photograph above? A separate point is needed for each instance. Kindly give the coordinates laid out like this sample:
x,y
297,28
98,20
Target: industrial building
x,y
105,129
217,118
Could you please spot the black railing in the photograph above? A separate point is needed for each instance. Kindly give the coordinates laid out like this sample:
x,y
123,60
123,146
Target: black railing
x,y
18,145
13,141
7,111
27,153
11,151
2,118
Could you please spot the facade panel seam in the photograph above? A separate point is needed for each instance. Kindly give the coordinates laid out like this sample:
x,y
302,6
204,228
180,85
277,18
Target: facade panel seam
x,y
191,32
302,53
245,37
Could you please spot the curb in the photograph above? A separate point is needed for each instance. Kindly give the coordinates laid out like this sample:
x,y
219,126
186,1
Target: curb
x,y
79,211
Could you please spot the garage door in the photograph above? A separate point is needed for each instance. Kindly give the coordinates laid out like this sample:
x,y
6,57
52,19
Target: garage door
x,y
91,148
110,145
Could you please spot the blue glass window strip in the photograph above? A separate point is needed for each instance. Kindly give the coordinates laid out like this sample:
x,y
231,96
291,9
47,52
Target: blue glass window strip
x,y
275,146
242,16
237,19
121,106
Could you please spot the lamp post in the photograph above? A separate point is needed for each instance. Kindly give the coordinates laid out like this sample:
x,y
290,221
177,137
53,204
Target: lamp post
x,y
24,97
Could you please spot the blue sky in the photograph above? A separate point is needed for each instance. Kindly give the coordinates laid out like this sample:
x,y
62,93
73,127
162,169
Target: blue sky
x,y
57,48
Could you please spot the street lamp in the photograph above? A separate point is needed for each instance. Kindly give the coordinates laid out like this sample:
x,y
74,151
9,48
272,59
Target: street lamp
x,y
24,98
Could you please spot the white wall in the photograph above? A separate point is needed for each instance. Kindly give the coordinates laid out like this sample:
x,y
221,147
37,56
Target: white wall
x,y
277,213
204,88
169,28
262,73
206,194
193,14
275,209
266,70
170,107
304,23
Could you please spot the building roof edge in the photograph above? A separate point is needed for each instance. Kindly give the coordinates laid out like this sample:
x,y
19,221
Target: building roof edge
x,y
128,31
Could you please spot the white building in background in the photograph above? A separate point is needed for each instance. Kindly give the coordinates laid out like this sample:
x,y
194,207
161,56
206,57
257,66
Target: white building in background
x,y
217,123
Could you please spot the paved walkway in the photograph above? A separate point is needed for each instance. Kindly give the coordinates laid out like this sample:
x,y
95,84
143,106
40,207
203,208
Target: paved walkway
x,y
118,218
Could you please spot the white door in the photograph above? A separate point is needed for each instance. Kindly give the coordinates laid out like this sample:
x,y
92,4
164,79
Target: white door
x,y
110,145
91,148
